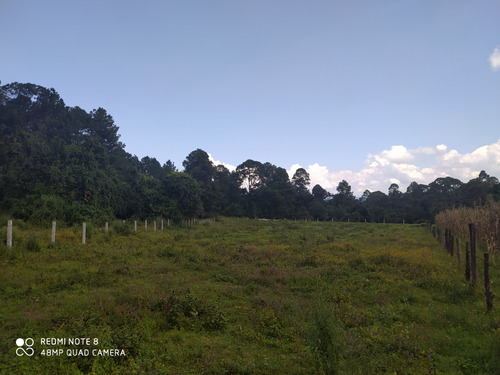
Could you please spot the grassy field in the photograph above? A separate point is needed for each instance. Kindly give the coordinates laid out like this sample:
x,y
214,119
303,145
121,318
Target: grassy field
x,y
243,297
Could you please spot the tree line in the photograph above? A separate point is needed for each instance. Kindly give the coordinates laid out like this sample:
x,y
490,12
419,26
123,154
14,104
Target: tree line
x,y
64,163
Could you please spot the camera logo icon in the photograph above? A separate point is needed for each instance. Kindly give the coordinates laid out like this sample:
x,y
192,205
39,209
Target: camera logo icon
x,y
29,351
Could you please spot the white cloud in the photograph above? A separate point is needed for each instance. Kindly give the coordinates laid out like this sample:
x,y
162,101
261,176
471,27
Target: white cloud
x,y
484,154
428,171
495,59
396,154
411,170
393,166
426,150
319,175
451,156
230,167
394,181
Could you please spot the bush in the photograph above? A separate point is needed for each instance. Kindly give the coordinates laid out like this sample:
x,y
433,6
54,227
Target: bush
x,y
78,212
121,228
47,208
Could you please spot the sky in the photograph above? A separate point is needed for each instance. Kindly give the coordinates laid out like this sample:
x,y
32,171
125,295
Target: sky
x,y
372,92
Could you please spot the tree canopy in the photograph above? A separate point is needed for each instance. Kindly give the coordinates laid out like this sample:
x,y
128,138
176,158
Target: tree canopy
x,y
60,162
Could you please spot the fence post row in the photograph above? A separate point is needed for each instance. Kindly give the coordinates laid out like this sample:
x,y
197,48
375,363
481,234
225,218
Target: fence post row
x,y
471,266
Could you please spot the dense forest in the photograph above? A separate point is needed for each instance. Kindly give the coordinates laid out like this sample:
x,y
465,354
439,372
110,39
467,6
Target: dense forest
x,y
61,162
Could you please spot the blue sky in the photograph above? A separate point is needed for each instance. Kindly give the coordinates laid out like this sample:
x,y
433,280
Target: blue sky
x,y
372,92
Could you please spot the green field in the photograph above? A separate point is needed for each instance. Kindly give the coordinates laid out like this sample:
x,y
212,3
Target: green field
x,y
243,297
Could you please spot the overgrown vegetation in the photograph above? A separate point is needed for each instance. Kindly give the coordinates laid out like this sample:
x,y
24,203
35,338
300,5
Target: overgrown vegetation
x,y
245,297
486,218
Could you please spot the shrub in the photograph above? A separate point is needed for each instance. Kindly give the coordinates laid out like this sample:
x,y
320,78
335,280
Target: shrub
x,y
46,208
121,228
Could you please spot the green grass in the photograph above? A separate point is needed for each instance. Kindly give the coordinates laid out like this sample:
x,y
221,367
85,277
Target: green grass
x,y
245,297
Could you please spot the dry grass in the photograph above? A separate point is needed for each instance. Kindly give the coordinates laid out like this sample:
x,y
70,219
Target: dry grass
x,y
486,219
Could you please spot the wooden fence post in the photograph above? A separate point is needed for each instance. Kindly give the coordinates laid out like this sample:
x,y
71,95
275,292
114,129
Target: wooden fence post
x,y
135,226
162,225
154,226
452,243
9,234
106,228
473,255
84,232
53,236
487,290
447,239
467,262
459,252
146,225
